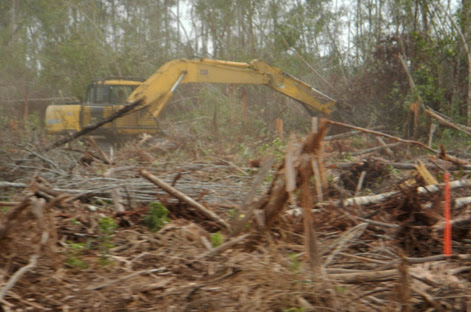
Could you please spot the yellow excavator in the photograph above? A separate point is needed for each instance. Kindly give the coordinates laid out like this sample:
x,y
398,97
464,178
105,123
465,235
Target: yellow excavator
x,y
106,96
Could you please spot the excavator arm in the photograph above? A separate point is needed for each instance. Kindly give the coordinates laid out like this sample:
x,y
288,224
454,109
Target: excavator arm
x,y
156,91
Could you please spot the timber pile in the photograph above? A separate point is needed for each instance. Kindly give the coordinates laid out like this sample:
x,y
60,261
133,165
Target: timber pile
x,y
322,235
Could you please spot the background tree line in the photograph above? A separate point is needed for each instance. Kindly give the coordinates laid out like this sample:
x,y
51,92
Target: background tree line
x,y
375,57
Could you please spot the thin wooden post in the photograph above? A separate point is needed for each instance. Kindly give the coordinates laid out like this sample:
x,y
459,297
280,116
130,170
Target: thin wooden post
x,y
314,125
25,103
279,127
245,106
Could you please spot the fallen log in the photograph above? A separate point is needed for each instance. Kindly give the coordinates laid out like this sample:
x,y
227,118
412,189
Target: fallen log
x,y
377,198
387,149
400,166
437,187
394,138
462,201
374,199
455,160
443,121
183,197
434,258
441,153
365,276
9,204
417,260
377,148
367,200
12,184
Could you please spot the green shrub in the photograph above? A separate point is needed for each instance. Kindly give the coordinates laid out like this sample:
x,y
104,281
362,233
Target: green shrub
x,y
156,217
216,239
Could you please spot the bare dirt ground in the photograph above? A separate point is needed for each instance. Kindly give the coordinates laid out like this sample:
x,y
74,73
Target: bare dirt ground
x,y
331,224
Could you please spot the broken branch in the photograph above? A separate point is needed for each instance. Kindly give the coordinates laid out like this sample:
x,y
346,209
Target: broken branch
x,y
190,201
394,138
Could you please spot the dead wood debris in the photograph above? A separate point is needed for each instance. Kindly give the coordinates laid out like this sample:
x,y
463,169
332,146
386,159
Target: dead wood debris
x,y
445,121
364,240
174,192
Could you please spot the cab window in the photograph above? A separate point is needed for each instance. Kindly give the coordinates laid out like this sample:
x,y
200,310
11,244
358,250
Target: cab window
x,y
96,94
119,93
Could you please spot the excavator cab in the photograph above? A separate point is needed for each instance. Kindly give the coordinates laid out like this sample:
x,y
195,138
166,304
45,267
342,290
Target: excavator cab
x,y
104,96
111,90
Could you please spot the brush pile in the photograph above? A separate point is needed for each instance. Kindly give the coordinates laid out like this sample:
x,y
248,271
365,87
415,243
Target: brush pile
x,y
305,232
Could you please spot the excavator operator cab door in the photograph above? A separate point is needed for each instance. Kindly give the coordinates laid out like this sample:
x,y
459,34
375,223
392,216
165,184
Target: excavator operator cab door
x,y
101,96
98,94
93,111
103,93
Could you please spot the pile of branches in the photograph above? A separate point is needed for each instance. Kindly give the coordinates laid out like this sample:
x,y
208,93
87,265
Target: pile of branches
x,y
297,244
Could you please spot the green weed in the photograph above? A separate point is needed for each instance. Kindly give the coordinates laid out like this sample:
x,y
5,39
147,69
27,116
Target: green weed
x,y
295,265
393,171
276,147
106,227
74,253
75,222
156,217
216,239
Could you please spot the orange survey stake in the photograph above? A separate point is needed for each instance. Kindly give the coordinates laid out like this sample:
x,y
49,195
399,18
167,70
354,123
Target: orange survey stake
x,y
447,232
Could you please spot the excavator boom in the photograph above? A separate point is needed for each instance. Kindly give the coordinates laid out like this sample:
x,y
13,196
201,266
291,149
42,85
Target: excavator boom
x,y
156,91
106,97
